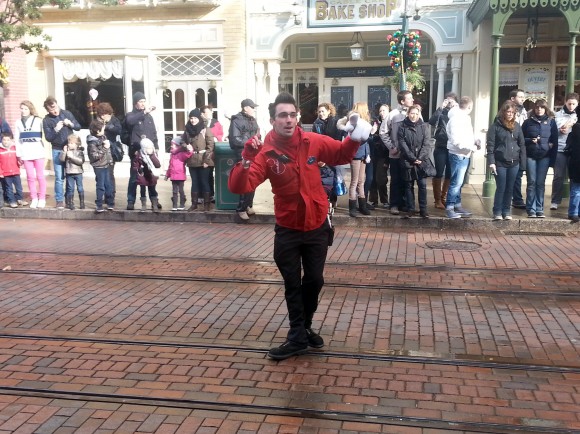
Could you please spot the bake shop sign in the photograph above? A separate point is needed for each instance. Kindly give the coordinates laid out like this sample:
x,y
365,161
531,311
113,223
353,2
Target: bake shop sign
x,y
338,13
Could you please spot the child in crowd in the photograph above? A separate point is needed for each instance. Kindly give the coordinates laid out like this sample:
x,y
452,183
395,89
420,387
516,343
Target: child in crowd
x,y
99,150
176,171
328,177
10,172
73,157
147,166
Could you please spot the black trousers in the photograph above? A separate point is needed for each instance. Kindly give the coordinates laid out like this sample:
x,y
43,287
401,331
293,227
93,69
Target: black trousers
x,y
294,251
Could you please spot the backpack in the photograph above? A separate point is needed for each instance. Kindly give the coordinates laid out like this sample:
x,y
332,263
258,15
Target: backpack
x,y
117,151
440,131
125,136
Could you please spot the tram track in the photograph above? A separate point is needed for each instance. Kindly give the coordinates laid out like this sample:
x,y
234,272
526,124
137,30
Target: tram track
x,y
269,410
569,293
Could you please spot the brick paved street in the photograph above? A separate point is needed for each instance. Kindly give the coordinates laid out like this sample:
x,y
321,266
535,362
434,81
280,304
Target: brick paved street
x,y
164,327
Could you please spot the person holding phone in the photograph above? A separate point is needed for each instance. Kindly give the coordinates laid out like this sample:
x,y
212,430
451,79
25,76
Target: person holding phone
x,y
506,154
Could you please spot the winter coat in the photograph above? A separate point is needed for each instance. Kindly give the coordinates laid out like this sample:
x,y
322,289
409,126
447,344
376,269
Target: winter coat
x,y
140,124
28,138
145,176
113,129
176,169
242,127
460,137
413,140
217,130
99,156
4,127
505,147
546,129
73,161
203,147
572,151
9,165
362,152
59,138
439,122
327,127
300,202
377,147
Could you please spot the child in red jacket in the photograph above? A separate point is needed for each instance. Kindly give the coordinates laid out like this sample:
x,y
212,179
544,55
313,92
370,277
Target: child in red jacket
x,y
10,172
180,152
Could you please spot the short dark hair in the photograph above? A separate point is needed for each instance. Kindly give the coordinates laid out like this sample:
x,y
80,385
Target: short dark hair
x,y
572,95
515,92
51,100
402,94
282,98
7,134
452,95
96,126
205,107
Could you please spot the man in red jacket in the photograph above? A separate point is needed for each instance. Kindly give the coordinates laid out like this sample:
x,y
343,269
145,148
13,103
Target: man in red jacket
x,y
289,158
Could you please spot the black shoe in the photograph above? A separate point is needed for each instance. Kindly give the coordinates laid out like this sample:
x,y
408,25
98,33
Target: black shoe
x,y
424,214
159,206
286,350
314,339
519,205
130,206
575,219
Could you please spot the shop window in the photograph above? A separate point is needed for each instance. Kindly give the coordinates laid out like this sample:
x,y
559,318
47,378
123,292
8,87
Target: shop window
x,y
538,55
307,82
199,97
285,81
190,66
563,54
509,55
212,98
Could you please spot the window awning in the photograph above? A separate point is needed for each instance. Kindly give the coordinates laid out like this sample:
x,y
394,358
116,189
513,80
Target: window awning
x,y
104,69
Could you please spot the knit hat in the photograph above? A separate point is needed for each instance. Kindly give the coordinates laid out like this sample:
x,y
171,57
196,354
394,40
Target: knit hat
x,y
138,96
195,113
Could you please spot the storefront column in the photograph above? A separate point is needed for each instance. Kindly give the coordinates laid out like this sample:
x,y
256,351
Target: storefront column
x,y
58,82
274,76
441,70
489,183
261,93
571,62
455,68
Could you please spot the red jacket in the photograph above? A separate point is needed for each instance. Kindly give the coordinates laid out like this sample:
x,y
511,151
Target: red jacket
x,y
300,202
8,162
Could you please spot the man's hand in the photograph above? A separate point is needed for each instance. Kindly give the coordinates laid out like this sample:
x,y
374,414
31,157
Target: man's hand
x,y
252,148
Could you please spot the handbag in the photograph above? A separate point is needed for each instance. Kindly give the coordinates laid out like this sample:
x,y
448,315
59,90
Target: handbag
x,y
117,151
426,169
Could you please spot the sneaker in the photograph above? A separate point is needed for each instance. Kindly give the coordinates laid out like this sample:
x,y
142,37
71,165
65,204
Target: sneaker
x,y
519,205
59,204
531,215
554,206
314,339
452,214
22,203
100,209
497,218
408,215
462,211
287,349
174,208
575,219
130,206
371,206
243,215
386,205
424,214
181,208
250,211
34,203
394,210
508,217
111,208
41,203
13,205
540,215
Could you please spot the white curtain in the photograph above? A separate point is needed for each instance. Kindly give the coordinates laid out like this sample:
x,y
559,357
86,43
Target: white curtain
x,y
100,69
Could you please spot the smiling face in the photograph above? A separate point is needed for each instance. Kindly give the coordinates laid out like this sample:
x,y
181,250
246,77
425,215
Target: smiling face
x,y
194,120
323,113
285,120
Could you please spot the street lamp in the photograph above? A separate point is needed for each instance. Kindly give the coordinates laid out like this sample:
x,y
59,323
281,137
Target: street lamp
x,y
405,17
356,49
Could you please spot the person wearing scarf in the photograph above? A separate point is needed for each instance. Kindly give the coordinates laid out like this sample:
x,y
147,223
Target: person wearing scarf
x,y
289,158
201,161
148,170
565,119
413,139
541,135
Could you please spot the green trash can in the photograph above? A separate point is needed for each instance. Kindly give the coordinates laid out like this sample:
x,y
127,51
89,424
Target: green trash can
x,y
224,161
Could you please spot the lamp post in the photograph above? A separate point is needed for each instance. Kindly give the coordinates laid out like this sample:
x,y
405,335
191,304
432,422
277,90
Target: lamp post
x,y
404,30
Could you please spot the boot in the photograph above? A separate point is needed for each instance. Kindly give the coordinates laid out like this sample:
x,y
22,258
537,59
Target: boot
x,y
82,200
362,206
444,190
143,204
193,206
352,208
437,193
69,201
154,204
174,202
206,202
130,206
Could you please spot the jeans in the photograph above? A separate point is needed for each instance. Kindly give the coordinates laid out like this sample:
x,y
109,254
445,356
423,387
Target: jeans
x,y
397,183
71,180
504,181
378,190
132,185
104,187
58,175
291,249
440,158
35,172
518,198
560,170
199,179
536,171
410,194
459,165
12,183
574,204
